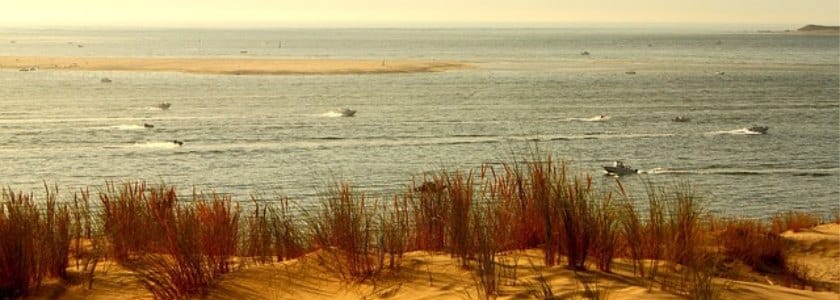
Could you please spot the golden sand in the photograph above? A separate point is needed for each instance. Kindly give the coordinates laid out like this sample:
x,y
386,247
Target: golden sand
x,y
233,66
423,276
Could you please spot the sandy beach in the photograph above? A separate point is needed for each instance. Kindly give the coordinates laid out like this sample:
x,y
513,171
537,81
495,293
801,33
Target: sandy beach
x,y
232,66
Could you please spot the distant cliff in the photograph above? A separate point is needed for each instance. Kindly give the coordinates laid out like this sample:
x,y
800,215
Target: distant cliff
x,y
820,28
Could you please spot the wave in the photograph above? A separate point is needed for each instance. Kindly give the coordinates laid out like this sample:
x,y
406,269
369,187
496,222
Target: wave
x,y
599,136
599,118
748,172
123,127
146,145
329,138
741,131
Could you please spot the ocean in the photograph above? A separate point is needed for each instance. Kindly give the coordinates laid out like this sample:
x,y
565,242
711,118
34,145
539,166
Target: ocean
x,y
531,90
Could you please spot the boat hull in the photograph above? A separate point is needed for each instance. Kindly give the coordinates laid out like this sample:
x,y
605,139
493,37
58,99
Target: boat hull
x,y
620,170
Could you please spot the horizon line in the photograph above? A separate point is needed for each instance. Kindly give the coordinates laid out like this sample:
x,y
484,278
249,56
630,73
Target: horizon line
x,y
412,25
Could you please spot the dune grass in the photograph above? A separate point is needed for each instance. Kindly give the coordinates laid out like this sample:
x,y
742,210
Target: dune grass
x,y
180,248
34,242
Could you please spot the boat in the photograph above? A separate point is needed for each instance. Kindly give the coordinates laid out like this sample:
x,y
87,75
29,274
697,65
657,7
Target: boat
x,y
147,125
630,72
584,53
164,105
681,119
618,168
758,129
346,112
105,80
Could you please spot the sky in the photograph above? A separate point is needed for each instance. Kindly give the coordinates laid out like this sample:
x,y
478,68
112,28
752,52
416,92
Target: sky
x,y
277,13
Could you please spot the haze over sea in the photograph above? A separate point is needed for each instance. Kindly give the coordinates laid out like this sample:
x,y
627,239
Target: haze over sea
x,y
530,88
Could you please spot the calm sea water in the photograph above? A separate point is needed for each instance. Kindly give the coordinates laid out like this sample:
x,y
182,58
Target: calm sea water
x,y
532,88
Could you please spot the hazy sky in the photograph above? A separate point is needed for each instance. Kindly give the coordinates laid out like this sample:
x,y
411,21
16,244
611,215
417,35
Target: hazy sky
x,y
394,12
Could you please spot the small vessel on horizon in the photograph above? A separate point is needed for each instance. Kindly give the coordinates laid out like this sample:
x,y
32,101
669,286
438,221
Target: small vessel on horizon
x,y
346,112
105,80
618,169
758,129
164,105
681,119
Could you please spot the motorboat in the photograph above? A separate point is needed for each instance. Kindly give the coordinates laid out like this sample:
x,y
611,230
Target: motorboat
x,y
681,119
105,80
618,168
585,53
630,72
147,125
164,105
346,112
758,129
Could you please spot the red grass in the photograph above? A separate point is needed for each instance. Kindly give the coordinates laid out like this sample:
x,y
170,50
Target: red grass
x,y
219,230
750,242
258,243
794,220
393,232
180,248
430,208
289,241
34,244
344,229
126,219
461,197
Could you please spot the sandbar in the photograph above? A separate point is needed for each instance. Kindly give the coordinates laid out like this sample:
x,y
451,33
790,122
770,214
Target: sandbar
x,y
231,66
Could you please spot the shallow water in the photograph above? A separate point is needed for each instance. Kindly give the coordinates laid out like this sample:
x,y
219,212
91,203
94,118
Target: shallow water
x,y
531,89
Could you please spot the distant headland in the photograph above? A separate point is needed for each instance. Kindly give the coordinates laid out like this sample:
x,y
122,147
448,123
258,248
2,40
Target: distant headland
x,y
812,27
809,29
819,30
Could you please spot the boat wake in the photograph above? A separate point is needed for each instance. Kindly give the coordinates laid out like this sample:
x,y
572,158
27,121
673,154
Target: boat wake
x,y
742,171
741,131
331,114
146,145
599,136
599,118
123,127
341,112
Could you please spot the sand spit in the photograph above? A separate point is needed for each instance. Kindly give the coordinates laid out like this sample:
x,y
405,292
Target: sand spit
x,y
231,66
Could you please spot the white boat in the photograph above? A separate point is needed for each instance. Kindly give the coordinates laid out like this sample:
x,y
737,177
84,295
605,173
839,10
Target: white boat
x,y
618,168
164,105
758,129
346,112
681,119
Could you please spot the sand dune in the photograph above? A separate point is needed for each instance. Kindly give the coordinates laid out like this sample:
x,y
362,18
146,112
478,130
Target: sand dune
x,y
422,276
229,65
818,250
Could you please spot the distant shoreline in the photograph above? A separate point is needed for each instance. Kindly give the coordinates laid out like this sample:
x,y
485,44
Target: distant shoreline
x,y
230,66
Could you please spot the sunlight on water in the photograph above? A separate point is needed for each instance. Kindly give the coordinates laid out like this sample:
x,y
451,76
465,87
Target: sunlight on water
x,y
531,89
